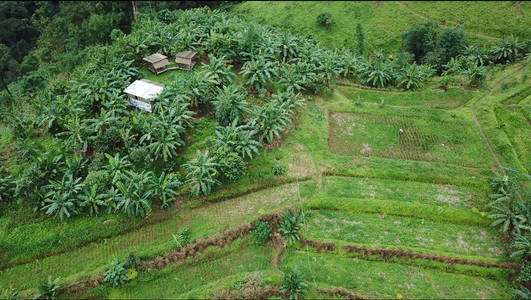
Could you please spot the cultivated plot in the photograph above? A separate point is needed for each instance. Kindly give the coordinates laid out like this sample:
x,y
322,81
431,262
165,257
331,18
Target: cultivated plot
x,y
399,137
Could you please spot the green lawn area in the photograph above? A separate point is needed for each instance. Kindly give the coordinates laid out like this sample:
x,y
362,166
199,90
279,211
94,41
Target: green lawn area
x,y
387,280
416,234
409,191
384,22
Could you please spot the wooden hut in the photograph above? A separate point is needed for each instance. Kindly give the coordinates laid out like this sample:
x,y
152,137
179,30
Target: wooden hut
x,y
141,93
184,60
156,63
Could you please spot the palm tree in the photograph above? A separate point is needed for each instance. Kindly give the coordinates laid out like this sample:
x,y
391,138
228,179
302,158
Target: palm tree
x,y
135,199
376,73
202,173
117,166
163,137
269,120
164,187
237,138
62,198
506,213
92,200
219,70
259,71
411,78
230,104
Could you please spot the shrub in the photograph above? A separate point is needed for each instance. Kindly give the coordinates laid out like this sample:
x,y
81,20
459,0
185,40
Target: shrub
x,y
231,166
108,141
132,261
324,19
7,186
420,40
279,170
9,294
182,238
116,273
261,233
49,289
100,178
290,226
525,273
293,284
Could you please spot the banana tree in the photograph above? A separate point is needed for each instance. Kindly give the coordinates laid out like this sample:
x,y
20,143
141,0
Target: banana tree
x,y
230,104
202,173
135,198
92,201
164,187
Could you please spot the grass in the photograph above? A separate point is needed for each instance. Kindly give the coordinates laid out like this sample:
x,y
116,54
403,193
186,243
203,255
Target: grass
x,y
387,280
197,278
405,138
496,18
415,234
452,98
154,239
433,194
384,22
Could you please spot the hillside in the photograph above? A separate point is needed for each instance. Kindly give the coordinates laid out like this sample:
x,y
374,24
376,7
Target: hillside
x,y
383,22
276,167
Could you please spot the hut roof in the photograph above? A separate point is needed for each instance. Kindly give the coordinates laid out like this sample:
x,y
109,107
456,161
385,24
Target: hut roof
x,y
186,54
145,89
161,64
153,58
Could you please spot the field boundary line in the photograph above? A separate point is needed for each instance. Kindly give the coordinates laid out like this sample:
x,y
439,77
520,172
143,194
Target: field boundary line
x,y
387,253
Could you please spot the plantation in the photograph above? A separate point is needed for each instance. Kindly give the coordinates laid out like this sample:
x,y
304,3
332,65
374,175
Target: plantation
x,y
309,153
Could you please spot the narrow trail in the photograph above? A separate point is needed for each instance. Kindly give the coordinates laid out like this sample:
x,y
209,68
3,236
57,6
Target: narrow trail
x,y
474,114
427,18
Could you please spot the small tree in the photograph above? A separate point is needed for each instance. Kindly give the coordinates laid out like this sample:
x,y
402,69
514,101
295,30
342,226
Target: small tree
x,y
324,19
261,233
202,173
293,284
116,273
290,226
361,39
49,289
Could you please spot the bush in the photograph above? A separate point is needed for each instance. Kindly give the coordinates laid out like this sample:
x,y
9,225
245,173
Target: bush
x,y
293,284
261,233
290,226
116,273
525,273
49,289
101,178
132,261
420,40
279,170
108,141
182,238
231,166
324,19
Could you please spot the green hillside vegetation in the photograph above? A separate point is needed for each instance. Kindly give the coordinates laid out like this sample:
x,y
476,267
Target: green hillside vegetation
x,y
286,164
384,22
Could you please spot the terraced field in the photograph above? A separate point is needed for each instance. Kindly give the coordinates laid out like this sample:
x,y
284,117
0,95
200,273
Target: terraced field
x,y
427,215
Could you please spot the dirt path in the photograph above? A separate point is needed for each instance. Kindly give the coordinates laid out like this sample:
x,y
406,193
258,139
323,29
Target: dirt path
x,y
474,113
427,18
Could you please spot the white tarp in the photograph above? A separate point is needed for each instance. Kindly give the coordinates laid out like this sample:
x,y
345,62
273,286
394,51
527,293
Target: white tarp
x,y
144,89
140,104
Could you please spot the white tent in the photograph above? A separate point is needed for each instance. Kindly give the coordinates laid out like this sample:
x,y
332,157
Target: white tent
x,y
142,91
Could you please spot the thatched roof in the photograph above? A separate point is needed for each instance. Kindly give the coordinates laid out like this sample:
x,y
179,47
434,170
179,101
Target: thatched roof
x,y
153,58
186,54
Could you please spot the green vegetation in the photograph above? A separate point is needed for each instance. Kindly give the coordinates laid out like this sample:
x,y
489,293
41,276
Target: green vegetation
x,y
346,149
